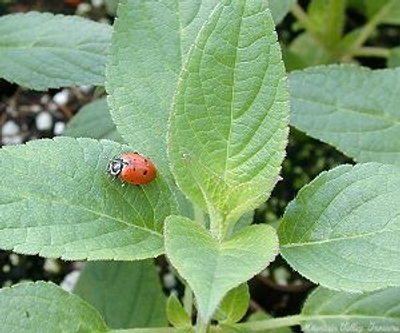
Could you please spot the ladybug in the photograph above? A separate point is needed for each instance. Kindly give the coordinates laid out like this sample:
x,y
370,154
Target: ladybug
x,y
132,168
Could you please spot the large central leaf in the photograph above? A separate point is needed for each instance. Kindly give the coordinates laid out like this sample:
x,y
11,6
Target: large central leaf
x,y
229,123
150,41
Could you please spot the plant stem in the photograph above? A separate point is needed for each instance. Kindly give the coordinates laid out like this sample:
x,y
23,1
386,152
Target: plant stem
x,y
145,330
302,17
201,327
366,32
270,324
335,22
311,28
367,51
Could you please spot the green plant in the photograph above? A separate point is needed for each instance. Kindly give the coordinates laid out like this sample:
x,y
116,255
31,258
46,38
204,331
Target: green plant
x,y
200,87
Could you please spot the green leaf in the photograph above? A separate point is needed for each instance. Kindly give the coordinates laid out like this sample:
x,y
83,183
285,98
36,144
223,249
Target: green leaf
x,y
211,267
332,311
45,307
57,201
279,9
127,294
229,124
93,121
176,314
244,221
149,45
342,230
352,108
383,11
234,305
292,60
317,12
308,51
42,50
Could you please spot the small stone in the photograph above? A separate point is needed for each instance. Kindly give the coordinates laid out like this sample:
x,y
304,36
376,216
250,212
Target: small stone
x,y
97,3
62,97
83,8
86,89
70,281
14,259
45,99
12,111
12,140
174,292
51,266
10,128
281,276
169,280
52,107
36,108
59,128
44,121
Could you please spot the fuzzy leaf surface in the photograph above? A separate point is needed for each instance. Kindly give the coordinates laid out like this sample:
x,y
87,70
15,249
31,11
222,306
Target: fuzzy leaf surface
x,y
57,201
343,229
229,123
149,45
126,294
93,121
44,307
42,50
332,311
176,314
352,108
211,267
234,305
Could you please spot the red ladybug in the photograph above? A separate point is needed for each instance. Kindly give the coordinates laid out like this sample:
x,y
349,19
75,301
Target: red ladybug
x,y
132,168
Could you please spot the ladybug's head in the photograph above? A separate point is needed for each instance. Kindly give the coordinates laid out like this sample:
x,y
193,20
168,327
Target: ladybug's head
x,y
115,167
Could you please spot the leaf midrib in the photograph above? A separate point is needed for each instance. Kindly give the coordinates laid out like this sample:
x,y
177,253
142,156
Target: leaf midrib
x,y
345,109
96,213
338,239
232,104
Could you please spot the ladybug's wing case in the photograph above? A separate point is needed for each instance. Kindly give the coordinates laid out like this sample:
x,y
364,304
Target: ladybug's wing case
x,y
138,169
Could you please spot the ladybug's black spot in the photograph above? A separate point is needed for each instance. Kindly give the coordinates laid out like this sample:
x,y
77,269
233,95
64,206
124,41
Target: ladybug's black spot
x,y
144,172
134,169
